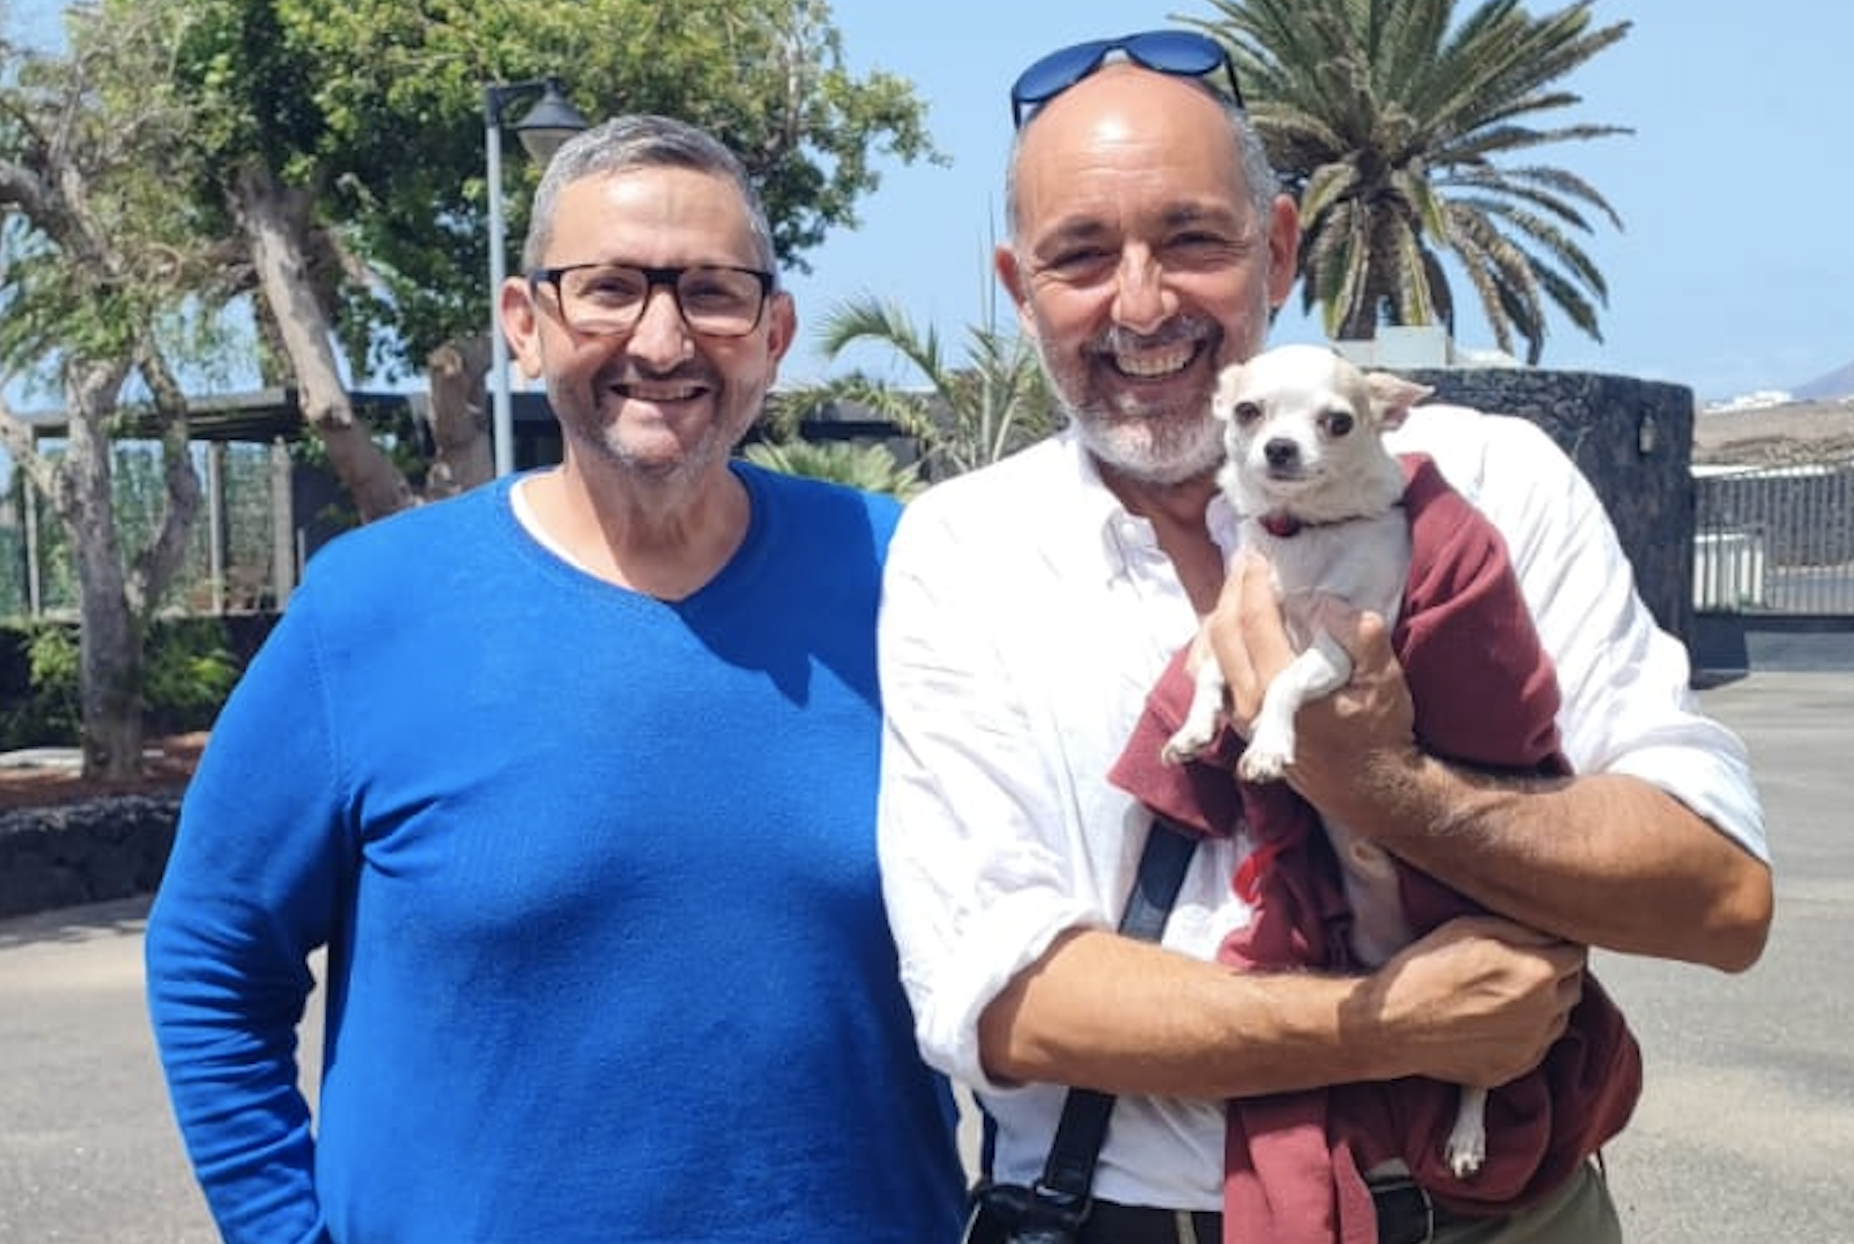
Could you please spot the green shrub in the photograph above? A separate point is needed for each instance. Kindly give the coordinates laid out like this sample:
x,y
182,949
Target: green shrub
x,y
187,671
870,465
50,711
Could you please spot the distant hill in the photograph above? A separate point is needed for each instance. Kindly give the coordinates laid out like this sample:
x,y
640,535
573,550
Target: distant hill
x,y
1786,435
1837,383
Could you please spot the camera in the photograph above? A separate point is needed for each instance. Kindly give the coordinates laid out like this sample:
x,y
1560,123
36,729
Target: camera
x,y
1014,1214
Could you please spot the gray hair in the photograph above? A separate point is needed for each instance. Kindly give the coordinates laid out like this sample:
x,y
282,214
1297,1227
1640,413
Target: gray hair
x,y
641,141
1258,174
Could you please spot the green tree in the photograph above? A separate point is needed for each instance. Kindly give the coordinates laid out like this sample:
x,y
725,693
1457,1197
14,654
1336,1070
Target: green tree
x,y
965,417
1397,127
352,241
105,271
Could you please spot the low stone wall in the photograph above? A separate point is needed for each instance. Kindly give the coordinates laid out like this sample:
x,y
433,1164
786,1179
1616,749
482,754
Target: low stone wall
x,y
84,852
1736,644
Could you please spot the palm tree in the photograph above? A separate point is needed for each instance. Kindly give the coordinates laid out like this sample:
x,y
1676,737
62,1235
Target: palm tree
x,y
1386,119
964,418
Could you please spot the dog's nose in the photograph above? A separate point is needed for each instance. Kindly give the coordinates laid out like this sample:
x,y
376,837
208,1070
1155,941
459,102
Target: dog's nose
x,y
1281,452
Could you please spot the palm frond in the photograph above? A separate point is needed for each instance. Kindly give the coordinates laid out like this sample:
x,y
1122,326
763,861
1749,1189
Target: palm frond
x,y
1396,123
871,467
962,417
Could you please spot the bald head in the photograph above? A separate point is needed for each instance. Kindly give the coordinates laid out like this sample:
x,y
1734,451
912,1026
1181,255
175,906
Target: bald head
x,y
1123,105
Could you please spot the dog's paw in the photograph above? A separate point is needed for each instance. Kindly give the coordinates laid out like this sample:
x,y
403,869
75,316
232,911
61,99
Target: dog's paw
x,y
1466,1149
1465,1157
1270,749
1187,744
1262,764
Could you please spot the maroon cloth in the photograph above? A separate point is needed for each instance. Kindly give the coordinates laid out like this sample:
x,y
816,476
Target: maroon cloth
x,y
1485,694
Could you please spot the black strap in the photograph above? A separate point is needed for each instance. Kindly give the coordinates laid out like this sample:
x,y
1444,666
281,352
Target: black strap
x,y
1069,1170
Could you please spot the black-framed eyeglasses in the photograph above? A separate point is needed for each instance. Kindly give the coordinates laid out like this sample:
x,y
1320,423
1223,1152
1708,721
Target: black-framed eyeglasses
x,y
1181,53
606,299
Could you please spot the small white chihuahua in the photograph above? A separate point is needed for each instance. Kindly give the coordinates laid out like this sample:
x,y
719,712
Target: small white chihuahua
x,y
1319,496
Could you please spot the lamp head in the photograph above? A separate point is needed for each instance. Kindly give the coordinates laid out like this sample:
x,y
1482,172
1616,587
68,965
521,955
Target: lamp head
x,y
549,124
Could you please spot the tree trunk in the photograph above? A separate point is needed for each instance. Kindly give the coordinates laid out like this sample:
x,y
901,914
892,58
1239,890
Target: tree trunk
x,y
110,655
461,456
109,637
1361,319
273,218
156,565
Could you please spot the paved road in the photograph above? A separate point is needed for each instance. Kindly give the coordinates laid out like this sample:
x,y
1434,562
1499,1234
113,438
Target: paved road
x,y
1745,1132
1746,1126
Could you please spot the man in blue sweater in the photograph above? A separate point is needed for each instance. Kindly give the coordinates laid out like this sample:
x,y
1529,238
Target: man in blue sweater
x,y
574,779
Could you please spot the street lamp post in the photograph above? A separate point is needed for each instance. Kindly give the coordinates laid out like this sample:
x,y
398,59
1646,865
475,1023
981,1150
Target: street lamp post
x,y
546,126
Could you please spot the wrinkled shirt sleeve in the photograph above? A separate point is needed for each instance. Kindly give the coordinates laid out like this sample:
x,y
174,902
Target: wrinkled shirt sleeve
x,y
1628,705
980,870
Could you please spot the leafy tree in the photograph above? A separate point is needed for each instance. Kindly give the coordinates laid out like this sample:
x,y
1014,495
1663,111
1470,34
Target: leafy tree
x,y
1393,123
352,242
966,417
103,269
185,153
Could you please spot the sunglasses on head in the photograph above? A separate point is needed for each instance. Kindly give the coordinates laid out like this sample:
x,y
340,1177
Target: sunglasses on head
x,y
1181,53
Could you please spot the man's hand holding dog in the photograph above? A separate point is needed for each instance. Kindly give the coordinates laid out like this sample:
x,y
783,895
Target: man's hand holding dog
x,y
1356,754
1478,1001
1357,761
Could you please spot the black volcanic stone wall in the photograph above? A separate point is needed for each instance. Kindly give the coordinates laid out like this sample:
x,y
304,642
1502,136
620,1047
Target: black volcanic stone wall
x,y
1598,420
84,852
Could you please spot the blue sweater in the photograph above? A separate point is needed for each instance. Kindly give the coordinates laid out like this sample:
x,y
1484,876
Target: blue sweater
x,y
607,958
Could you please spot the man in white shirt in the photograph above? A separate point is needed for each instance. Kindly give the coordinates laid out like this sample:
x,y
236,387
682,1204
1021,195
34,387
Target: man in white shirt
x,y
1028,609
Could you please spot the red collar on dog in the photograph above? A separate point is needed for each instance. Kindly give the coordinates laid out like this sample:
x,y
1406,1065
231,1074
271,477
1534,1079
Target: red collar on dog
x,y
1280,526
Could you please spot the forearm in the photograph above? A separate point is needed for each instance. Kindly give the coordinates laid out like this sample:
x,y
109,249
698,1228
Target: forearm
x,y
1604,859
1107,1012
1476,1003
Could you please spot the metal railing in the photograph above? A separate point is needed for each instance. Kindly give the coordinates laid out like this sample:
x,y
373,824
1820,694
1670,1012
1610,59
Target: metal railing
x,y
240,554
1774,540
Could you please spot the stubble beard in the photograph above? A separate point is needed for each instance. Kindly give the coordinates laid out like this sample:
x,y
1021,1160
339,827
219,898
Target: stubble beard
x,y
603,435
1155,446
1156,441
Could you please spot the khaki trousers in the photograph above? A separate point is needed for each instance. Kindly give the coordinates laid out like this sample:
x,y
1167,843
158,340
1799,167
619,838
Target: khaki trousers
x,y
1581,1212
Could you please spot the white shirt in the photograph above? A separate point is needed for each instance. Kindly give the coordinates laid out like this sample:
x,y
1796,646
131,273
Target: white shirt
x,y
1026,615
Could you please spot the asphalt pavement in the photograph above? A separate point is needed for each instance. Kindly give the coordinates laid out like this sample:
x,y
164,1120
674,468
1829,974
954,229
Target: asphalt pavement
x,y
1745,1130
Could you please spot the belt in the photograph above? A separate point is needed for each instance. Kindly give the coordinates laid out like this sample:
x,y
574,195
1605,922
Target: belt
x,y
1406,1215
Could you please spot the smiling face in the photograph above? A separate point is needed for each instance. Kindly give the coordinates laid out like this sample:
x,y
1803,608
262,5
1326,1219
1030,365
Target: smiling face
x,y
660,401
1141,265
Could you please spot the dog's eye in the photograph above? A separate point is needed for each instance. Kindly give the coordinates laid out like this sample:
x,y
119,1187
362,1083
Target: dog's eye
x,y
1246,412
1338,423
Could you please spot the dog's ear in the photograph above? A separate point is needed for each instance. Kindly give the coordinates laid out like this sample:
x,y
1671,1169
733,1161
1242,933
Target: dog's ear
x,y
1229,385
1392,397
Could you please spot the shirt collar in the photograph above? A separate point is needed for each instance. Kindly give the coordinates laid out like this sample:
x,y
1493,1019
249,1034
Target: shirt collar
x,y
1124,534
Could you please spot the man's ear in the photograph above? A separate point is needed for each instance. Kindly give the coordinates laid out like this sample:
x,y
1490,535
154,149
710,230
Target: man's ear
x,y
1283,249
782,324
521,323
1016,283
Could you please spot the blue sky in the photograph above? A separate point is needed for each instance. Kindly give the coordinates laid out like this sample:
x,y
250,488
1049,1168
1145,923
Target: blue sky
x,y
1737,165
1734,271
